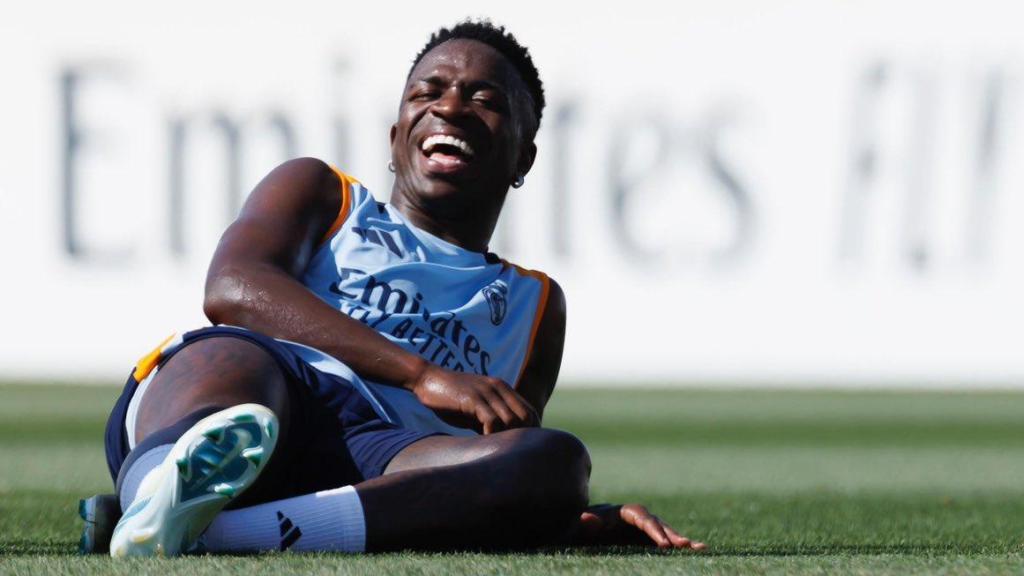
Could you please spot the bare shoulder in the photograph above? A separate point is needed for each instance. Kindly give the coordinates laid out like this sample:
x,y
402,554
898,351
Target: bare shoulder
x,y
300,178
284,218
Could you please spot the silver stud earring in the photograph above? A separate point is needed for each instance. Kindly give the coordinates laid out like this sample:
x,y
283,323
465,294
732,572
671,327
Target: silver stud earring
x,y
391,166
520,180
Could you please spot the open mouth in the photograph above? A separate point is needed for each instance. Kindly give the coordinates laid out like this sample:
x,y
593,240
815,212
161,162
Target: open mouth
x,y
447,152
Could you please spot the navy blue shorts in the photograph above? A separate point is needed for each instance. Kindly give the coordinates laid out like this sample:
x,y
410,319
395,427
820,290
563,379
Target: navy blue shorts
x,y
335,436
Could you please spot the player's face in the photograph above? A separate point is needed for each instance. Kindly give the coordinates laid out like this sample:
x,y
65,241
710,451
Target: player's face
x,y
462,132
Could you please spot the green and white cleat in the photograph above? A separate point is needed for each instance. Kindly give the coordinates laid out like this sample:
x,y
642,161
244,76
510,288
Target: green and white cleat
x,y
212,463
100,514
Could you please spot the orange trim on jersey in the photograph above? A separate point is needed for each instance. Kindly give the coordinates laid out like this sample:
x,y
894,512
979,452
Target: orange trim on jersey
x,y
146,364
542,304
346,204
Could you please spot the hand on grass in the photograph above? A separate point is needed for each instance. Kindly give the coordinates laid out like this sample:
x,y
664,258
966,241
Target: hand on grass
x,y
610,524
481,402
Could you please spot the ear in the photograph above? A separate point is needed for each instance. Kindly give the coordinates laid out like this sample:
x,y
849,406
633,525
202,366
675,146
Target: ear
x,y
527,154
392,135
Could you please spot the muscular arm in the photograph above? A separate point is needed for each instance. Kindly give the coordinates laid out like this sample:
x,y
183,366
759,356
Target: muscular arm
x,y
253,282
253,278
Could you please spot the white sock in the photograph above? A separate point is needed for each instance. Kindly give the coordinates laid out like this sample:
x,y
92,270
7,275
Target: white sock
x,y
330,521
138,470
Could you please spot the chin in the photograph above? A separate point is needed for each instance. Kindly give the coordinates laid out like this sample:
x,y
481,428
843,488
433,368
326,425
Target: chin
x,y
446,196
439,188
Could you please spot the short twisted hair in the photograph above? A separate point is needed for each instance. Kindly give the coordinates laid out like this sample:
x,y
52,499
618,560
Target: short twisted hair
x,y
504,42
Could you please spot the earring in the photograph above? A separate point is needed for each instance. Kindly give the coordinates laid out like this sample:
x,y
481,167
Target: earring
x,y
520,180
391,166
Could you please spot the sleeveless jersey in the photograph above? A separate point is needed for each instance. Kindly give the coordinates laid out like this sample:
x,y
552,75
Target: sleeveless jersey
x,y
461,310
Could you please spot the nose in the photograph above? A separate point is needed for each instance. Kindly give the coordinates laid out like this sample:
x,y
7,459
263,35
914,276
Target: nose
x,y
450,104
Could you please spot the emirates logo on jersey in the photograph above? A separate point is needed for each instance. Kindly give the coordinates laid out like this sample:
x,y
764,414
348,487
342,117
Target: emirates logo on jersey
x,y
497,298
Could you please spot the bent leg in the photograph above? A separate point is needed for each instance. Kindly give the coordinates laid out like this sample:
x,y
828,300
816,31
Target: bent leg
x,y
435,451
514,489
213,374
518,488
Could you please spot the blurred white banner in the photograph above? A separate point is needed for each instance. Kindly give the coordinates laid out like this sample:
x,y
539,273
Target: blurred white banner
x,y
733,192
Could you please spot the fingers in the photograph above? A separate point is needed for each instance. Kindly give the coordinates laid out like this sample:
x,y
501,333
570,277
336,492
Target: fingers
x,y
591,523
650,524
680,541
663,535
504,408
507,418
489,421
487,400
677,540
524,412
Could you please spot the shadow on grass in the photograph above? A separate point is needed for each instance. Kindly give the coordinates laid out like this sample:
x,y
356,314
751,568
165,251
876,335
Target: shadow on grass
x,y
28,548
781,551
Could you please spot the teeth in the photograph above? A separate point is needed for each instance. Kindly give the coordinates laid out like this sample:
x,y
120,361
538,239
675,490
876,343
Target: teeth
x,y
437,139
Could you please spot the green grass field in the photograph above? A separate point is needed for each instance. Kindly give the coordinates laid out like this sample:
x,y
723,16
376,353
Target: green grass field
x,y
776,482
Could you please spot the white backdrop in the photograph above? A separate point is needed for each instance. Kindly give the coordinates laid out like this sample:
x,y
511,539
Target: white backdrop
x,y
730,192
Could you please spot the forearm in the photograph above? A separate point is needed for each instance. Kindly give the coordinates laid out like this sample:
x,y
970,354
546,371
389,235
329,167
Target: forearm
x,y
266,299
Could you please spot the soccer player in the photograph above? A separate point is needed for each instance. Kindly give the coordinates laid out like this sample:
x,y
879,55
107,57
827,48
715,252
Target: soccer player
x,y
377,378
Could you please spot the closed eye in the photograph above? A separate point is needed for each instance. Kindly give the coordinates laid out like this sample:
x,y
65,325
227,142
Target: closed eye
x,y
490,101
423,96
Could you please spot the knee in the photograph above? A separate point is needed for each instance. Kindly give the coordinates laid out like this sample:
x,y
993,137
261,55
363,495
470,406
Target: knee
x,y
214,372
230,366
559,458
562,449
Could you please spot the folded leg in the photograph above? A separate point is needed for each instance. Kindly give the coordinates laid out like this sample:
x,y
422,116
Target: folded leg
x,y
412,490
514,489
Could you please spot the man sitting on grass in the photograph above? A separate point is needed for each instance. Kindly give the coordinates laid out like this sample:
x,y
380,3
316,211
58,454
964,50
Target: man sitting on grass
x,y
376,379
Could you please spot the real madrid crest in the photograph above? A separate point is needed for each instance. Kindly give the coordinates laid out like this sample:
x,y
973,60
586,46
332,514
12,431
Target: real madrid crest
x,y
497,298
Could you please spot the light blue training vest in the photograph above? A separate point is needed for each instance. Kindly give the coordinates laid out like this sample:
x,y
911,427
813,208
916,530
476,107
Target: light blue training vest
x,y
462,310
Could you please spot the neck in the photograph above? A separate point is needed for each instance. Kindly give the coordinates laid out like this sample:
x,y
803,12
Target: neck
x,y
469,229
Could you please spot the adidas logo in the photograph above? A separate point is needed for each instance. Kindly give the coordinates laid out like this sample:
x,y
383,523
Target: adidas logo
x,y
290,533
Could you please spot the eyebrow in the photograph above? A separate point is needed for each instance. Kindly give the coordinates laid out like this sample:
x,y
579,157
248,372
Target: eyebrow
x,y
435,80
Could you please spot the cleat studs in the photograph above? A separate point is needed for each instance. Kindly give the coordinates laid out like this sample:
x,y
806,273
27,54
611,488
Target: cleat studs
x,y
224,490
269,429
254,455
243,418
182,464
216,434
